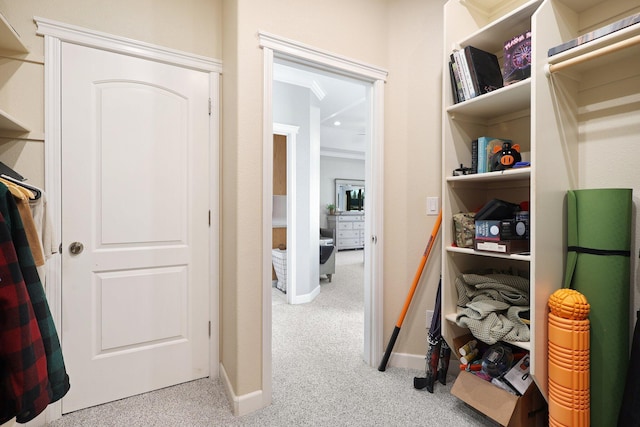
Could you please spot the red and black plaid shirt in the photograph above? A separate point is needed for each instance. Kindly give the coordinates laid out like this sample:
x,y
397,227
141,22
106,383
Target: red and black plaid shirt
x,y
24,382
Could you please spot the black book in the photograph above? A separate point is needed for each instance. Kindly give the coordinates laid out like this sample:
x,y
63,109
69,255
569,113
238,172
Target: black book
x,y
484,69
474,156
454,87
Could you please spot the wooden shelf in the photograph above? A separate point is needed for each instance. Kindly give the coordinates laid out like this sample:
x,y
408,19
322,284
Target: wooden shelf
x,y
468,251
492,37
506,176
9,123
503,101
9,38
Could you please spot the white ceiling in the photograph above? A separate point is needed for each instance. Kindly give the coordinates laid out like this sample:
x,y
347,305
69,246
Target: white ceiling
x,y
341,99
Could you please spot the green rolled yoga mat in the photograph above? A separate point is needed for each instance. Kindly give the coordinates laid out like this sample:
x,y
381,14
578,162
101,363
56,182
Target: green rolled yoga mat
x,y
598,266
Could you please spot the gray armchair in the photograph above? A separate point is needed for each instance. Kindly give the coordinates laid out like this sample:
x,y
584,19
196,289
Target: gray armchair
x,y
327,252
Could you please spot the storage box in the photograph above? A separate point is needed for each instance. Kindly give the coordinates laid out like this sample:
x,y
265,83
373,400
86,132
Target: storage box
x,y
279,259
501,406
488,230
503,246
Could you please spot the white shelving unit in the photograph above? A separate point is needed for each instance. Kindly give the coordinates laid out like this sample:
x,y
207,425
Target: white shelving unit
x,y
574,123
503,113
10,47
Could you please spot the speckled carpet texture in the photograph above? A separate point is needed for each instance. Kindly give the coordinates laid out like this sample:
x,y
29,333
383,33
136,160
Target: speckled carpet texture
x,y
319,377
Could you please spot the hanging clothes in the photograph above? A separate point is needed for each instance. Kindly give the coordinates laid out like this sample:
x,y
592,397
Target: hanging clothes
x,y
23,372
44,227
22,196
41,220
55,367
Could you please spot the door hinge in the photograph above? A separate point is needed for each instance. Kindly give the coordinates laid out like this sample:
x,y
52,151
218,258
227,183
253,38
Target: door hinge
x,y
209,218
209,106
209,328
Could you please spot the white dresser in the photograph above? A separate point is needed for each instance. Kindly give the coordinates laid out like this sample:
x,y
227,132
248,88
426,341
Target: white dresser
x,y
349,230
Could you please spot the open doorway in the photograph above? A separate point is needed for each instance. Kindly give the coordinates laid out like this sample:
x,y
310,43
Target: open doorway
x,y
275,49
331,117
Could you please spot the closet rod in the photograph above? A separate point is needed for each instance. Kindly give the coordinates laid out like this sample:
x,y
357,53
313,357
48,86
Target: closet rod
x,y
623,44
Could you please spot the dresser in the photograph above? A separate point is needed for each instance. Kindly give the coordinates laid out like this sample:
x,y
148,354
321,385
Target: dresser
x,y
349,230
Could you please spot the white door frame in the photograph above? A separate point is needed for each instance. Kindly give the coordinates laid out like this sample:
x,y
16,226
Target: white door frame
x,y
55,33
276,46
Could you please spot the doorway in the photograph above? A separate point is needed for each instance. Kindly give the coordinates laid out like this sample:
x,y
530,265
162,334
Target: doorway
x,y
278,48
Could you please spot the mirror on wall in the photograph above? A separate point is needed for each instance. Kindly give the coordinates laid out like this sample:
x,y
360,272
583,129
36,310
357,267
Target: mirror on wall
x,y
349,195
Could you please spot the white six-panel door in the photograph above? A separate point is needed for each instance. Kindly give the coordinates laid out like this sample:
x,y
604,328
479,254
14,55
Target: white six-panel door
x,y
135,186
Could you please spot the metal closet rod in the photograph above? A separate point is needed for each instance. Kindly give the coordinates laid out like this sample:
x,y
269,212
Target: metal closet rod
x,y
623,44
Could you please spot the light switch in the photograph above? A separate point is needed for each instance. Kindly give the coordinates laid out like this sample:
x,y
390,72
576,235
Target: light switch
x,y
432,205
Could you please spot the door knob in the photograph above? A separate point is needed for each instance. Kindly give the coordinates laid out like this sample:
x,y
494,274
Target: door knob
x,y
76,247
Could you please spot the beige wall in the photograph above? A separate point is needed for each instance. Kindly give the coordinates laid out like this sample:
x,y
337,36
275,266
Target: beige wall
x,y
189,25
402,36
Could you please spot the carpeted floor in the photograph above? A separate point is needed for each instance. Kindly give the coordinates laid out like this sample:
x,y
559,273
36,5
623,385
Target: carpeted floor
x,y
319,378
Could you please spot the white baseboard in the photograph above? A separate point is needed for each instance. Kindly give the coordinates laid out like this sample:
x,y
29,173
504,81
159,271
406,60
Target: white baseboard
x,y
303,299
408,361
242,405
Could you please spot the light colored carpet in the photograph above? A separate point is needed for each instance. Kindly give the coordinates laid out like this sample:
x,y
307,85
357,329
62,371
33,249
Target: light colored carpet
x,y
319,378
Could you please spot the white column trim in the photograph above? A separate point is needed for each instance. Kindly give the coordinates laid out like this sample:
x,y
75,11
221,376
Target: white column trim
x,y
267,223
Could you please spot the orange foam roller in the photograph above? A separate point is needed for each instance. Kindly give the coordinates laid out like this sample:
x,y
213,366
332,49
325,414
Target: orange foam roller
x,y
568,359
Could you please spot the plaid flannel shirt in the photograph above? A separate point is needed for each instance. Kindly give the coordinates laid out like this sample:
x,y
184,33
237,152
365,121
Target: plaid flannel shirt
x,y
56,370
25,390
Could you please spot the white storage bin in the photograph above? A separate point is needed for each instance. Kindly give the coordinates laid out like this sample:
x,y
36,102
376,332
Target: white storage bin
x,y
279,259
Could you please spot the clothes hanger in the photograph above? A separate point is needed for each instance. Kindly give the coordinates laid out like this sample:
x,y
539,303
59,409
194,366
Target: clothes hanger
x,y
18,190
36,191
6,170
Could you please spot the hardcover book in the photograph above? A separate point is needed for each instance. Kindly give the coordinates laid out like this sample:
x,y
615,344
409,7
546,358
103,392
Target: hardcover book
x,y
596,34
517,58
484,69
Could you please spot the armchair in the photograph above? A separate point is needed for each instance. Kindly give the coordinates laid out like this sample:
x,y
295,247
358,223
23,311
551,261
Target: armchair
x,y
327,252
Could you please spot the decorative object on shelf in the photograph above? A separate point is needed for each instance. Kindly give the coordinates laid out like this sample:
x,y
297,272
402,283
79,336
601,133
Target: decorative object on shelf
x,y
462,170
331,208
517,58
484,150
505,157
599,233
596,34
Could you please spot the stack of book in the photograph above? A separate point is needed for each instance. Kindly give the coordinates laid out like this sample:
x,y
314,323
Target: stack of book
x,y
473,72
482,150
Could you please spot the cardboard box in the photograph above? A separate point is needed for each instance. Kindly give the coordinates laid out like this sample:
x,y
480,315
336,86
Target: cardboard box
x,y
501,406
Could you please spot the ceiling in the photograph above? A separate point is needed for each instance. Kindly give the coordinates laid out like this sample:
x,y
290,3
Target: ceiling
x,y
344,107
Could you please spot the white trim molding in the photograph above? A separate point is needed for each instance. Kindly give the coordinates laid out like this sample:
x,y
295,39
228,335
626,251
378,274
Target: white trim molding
x,y
82,36
277,47
299,51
